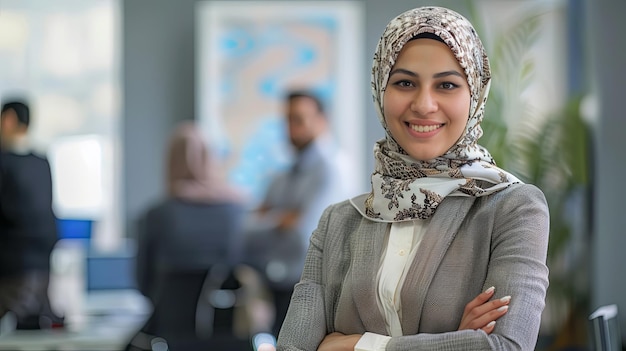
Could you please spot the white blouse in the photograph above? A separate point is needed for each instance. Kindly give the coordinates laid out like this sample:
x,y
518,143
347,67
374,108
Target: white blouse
x,y
402,244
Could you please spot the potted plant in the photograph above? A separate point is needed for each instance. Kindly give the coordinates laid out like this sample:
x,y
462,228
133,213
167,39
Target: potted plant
x,y
551,151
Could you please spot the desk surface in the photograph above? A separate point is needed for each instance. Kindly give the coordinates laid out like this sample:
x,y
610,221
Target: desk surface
x,y
110,319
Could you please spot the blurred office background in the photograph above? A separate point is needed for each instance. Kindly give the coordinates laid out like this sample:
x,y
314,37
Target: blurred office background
x,y
109,80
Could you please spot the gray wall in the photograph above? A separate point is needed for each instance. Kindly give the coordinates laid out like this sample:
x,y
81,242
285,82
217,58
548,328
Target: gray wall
x,y
158,68
608,54
158,59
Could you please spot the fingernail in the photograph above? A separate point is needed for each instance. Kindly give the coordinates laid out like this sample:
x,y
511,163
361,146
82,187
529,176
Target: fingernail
x,y
490,290
503,308
506,299
491,324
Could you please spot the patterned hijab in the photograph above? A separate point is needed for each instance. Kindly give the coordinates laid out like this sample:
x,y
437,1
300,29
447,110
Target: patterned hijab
x,y
193,173
404,188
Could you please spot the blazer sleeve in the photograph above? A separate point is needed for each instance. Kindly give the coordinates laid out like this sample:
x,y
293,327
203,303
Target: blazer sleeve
x,y
517,267
305,327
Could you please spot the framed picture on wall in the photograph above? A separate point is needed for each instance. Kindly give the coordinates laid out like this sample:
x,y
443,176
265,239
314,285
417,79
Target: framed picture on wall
x,y
250,53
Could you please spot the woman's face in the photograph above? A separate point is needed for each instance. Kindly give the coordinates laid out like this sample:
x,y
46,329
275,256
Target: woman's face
x,y
427,99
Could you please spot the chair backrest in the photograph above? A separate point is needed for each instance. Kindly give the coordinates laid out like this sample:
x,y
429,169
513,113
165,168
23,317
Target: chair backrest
x,y
175,303
187,316
235,302
220,293
605,332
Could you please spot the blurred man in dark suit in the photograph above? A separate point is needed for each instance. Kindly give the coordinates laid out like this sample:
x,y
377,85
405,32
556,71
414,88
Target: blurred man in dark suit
x,y
27,223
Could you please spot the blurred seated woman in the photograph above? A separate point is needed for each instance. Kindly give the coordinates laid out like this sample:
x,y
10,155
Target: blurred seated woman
x,y
181,239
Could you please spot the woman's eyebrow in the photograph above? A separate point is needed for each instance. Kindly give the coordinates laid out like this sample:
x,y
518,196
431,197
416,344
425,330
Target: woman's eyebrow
x,y
403,71
436,75
448,73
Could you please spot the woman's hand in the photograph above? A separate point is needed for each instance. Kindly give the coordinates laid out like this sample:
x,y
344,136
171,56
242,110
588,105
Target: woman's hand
x,y
339,342
480,313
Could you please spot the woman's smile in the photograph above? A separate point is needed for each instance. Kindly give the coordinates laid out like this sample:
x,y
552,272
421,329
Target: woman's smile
x,y
424,130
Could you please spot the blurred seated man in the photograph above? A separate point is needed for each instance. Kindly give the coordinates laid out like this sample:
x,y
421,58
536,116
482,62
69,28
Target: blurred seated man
x,y
278,235
28,229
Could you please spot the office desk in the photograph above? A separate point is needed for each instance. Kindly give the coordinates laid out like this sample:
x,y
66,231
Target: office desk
x,y
110,319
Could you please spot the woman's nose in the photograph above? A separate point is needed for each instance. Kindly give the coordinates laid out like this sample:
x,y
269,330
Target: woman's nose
x,y
424,102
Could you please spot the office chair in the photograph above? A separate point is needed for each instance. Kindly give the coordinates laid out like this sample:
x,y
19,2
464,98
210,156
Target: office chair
x,y
174,310
175,303
605,333
206,310
173,317
224,312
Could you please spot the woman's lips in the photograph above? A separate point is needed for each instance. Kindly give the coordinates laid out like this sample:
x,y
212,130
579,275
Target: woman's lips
x,y
425,128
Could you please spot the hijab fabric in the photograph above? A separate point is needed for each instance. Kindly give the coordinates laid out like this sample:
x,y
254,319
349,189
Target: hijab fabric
x,y
193,173
404,188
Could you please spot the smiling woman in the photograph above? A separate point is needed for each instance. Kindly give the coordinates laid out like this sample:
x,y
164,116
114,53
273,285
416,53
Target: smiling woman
x,y
427,99
447,251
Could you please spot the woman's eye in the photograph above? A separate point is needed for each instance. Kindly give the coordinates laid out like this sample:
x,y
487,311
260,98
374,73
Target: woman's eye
x,y
448,85
404,83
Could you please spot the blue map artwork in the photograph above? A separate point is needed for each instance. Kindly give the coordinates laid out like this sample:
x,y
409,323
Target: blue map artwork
x,y
259,60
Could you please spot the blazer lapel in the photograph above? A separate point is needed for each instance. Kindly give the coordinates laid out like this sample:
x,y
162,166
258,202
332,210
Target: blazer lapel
x,y
440,232
368,246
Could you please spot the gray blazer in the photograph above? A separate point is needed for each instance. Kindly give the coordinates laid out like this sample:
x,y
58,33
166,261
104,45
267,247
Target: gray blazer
x,y
471,244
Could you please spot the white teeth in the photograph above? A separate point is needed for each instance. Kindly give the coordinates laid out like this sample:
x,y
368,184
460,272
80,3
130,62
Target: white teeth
x,y
425,129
